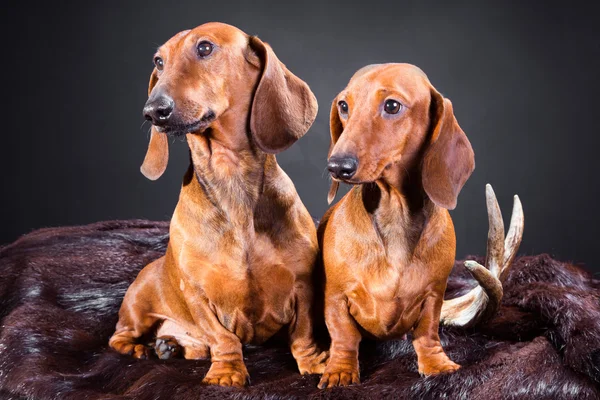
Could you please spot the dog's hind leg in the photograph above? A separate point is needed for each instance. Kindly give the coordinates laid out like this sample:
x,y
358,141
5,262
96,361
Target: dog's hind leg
x,y
135,315
126,343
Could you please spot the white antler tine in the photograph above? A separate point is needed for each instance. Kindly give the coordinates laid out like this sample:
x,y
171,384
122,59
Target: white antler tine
x,y
482,302
495,242
514,237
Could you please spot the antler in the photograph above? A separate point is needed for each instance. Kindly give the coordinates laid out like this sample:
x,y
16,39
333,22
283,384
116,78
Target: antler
x,y
482,302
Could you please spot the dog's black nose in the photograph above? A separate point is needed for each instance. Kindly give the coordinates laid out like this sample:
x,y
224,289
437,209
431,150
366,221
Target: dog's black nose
x,y
342,167
158,110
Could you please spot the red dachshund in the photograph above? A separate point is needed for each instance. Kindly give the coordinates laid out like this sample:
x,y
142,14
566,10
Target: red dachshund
x,y
242,245
389,245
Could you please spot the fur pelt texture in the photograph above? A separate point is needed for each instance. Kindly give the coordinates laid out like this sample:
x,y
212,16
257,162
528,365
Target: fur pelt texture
x,y
60,292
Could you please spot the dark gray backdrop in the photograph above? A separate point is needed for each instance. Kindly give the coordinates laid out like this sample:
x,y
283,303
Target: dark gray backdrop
x,y
523,78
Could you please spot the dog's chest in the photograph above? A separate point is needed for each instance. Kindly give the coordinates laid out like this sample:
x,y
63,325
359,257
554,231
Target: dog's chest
x,y
252,291
387,286
386,302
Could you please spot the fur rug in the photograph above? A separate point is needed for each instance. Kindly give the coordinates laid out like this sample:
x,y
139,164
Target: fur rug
x,y
60,291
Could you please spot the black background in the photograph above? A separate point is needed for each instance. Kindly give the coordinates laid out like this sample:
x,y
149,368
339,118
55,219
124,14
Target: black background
x,y
523,78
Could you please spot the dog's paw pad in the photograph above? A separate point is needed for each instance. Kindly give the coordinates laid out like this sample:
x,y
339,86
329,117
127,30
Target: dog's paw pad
x,y
166,348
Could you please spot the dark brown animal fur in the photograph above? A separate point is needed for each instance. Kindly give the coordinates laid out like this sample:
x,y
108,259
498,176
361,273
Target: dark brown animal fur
x,y
61,288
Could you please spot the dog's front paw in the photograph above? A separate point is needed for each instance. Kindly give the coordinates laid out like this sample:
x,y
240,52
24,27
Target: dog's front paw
x,y
437,365
227,373
339,375
314,364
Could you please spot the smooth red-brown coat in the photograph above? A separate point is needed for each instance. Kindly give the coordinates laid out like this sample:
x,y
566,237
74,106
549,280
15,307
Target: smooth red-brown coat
x,y
388,245
242,245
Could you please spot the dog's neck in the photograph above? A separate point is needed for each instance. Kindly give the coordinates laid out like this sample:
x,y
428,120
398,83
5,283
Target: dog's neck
x,y
227,170
399,207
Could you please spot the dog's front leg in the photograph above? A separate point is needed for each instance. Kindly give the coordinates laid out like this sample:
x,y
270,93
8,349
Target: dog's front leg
x,y
227,368
310,359
431,357
342,368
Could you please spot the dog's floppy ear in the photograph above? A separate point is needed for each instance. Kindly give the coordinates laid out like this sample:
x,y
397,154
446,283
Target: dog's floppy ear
x,y
283,107
449,160
335,129
157,156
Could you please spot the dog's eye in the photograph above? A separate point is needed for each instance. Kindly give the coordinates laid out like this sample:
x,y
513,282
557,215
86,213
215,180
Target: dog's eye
x,y
204,49
159,63
343,106
392,106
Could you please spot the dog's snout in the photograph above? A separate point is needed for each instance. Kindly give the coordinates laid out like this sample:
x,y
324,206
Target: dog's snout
x,y
158,110
342,167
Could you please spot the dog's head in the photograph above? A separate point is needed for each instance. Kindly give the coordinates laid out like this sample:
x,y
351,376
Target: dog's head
x,y
214,75
390,115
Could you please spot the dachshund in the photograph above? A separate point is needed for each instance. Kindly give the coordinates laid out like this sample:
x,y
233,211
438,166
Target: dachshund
x,y
388,245
242,247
